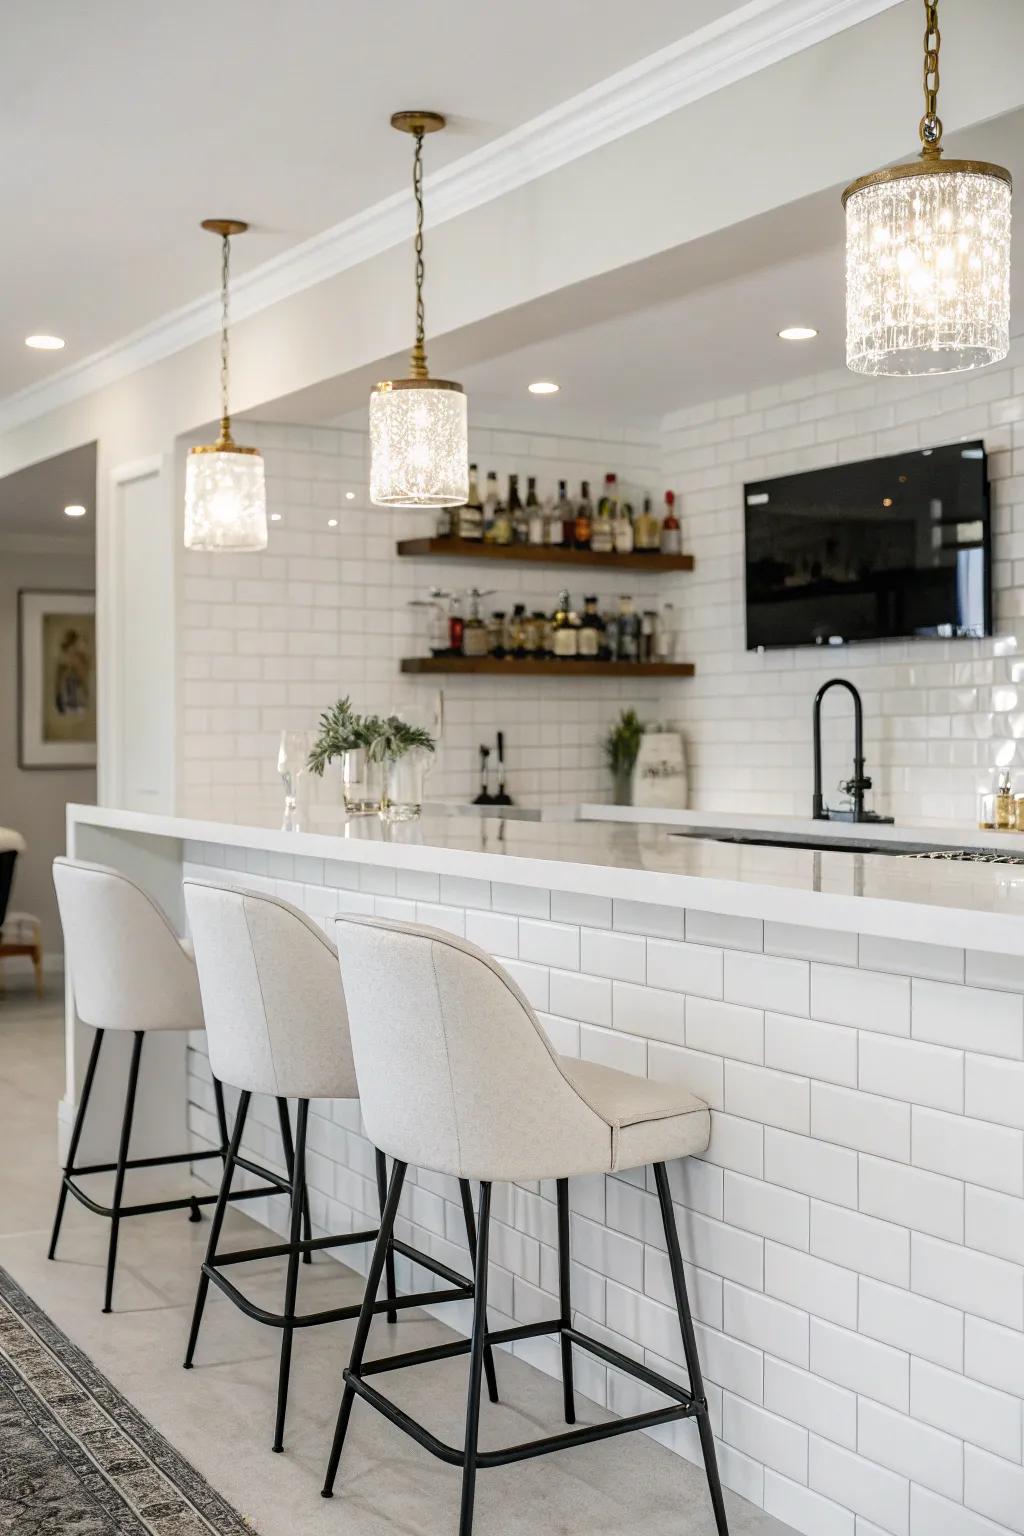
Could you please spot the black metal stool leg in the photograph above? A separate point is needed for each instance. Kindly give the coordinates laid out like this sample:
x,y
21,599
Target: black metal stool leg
x,y
216,1225
476,1364
222,1115
76,1136
292,1282
389,1265
122,1158
565,1299
675,1259
467,1208
387,1225
289,1163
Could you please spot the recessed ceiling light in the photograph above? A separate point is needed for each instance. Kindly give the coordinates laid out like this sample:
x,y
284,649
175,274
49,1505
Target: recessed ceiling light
x,y
75,511
886,501
797,333
350,495
275,517
332,522
544,387
45,343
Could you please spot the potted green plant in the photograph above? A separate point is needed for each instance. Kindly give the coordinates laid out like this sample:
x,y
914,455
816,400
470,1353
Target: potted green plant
x,y
621,746
342,736
404,750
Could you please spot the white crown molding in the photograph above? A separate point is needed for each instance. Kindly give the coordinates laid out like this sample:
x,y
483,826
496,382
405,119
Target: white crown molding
x,y
753,37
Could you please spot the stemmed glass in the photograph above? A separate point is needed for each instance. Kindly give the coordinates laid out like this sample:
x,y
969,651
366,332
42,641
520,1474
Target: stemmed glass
x,y
292,763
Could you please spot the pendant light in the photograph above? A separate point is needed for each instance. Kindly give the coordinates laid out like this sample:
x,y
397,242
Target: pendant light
x,y
928,255
419,449
225,490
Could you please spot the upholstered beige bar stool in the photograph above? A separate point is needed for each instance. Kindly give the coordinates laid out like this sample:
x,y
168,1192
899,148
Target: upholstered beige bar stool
x,y
276,1024
130,973
456,1074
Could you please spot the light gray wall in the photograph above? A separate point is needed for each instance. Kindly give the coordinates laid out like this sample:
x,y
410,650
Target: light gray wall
x,y
33,801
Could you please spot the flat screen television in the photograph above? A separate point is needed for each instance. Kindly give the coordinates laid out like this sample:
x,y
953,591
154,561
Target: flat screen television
x,y
886,548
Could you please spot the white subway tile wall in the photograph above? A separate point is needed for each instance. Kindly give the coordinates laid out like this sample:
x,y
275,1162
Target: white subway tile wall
x,y
270,640
855,1253
937,713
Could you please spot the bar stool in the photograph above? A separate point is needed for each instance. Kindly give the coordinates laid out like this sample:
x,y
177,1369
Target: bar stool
x,y
456,1074
129,973
276,1024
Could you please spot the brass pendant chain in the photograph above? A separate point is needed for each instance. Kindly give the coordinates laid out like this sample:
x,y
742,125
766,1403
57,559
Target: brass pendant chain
x,y
225,269
931,124
418,359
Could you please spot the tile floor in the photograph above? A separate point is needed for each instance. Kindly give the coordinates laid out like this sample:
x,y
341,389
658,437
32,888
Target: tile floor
x,y
220,1414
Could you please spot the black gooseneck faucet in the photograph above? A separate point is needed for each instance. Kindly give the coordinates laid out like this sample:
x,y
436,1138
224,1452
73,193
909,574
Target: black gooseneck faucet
x,y
856,786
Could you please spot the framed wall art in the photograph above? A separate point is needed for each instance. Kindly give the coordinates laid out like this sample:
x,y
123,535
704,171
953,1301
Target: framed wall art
x,y
56,679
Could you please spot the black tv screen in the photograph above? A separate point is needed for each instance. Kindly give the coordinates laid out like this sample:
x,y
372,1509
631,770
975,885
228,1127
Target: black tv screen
x,y
872,551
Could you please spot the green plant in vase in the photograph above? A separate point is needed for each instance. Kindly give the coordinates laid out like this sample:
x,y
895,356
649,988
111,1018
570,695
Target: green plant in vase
x,y
621,746
403,750
339,730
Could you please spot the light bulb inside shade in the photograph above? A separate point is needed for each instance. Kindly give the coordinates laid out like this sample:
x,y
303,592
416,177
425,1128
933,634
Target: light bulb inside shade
x,y
544,387
928,271
419,444
44,343
74,511
225,500
797,333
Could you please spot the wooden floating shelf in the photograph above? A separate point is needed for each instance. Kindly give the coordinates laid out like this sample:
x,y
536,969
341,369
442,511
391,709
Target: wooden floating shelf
x,y
492,666
540,554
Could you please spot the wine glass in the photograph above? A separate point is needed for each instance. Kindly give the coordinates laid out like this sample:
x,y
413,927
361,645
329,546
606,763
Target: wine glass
x,y
292,763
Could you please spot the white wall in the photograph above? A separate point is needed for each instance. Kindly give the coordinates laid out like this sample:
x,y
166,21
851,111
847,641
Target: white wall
x,y
270,640
939,715
33,801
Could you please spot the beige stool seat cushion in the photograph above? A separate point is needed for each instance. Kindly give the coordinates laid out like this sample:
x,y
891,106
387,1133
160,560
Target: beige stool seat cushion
x,y
649,1122
20,928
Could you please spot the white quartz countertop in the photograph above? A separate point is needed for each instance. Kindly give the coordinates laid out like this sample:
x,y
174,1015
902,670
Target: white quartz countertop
x,y
977,906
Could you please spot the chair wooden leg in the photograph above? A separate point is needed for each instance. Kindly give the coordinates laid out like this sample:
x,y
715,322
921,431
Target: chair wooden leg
x,y
675,1260
37,966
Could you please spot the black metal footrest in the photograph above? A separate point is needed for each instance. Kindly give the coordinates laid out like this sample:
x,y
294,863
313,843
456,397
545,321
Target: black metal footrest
x,y
459,1288
149,1208
683,1406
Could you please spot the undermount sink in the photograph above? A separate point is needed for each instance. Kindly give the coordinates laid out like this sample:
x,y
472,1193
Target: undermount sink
x,y
810,843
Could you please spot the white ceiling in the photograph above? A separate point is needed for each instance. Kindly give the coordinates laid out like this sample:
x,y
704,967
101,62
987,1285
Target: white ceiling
x,y
124,124
32,501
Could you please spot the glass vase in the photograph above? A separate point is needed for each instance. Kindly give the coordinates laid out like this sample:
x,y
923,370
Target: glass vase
x,y
403,785
362,783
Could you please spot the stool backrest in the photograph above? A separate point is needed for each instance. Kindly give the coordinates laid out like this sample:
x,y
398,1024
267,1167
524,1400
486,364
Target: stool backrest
x,y
128,968
455,1071
272,995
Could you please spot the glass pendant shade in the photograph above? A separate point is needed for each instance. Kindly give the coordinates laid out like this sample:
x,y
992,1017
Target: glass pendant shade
x,y
928,268
419,444
225,499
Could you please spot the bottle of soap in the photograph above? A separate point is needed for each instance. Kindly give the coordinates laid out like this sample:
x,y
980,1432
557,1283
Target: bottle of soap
x,y
1006,814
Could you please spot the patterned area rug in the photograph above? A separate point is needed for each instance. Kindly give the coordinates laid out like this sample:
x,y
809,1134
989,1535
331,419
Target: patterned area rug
x,y
76,1459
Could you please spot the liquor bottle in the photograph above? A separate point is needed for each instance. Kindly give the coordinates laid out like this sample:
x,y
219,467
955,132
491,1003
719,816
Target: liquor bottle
x,y
517,512
624,540
628,631
474,630
649,635
671,533
501,530
496,634
602,535
471,516
564,633
456,625
534,513
554,518
492,500
584,518
517,632
647,531
668,628
568,511
543,623
590,639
